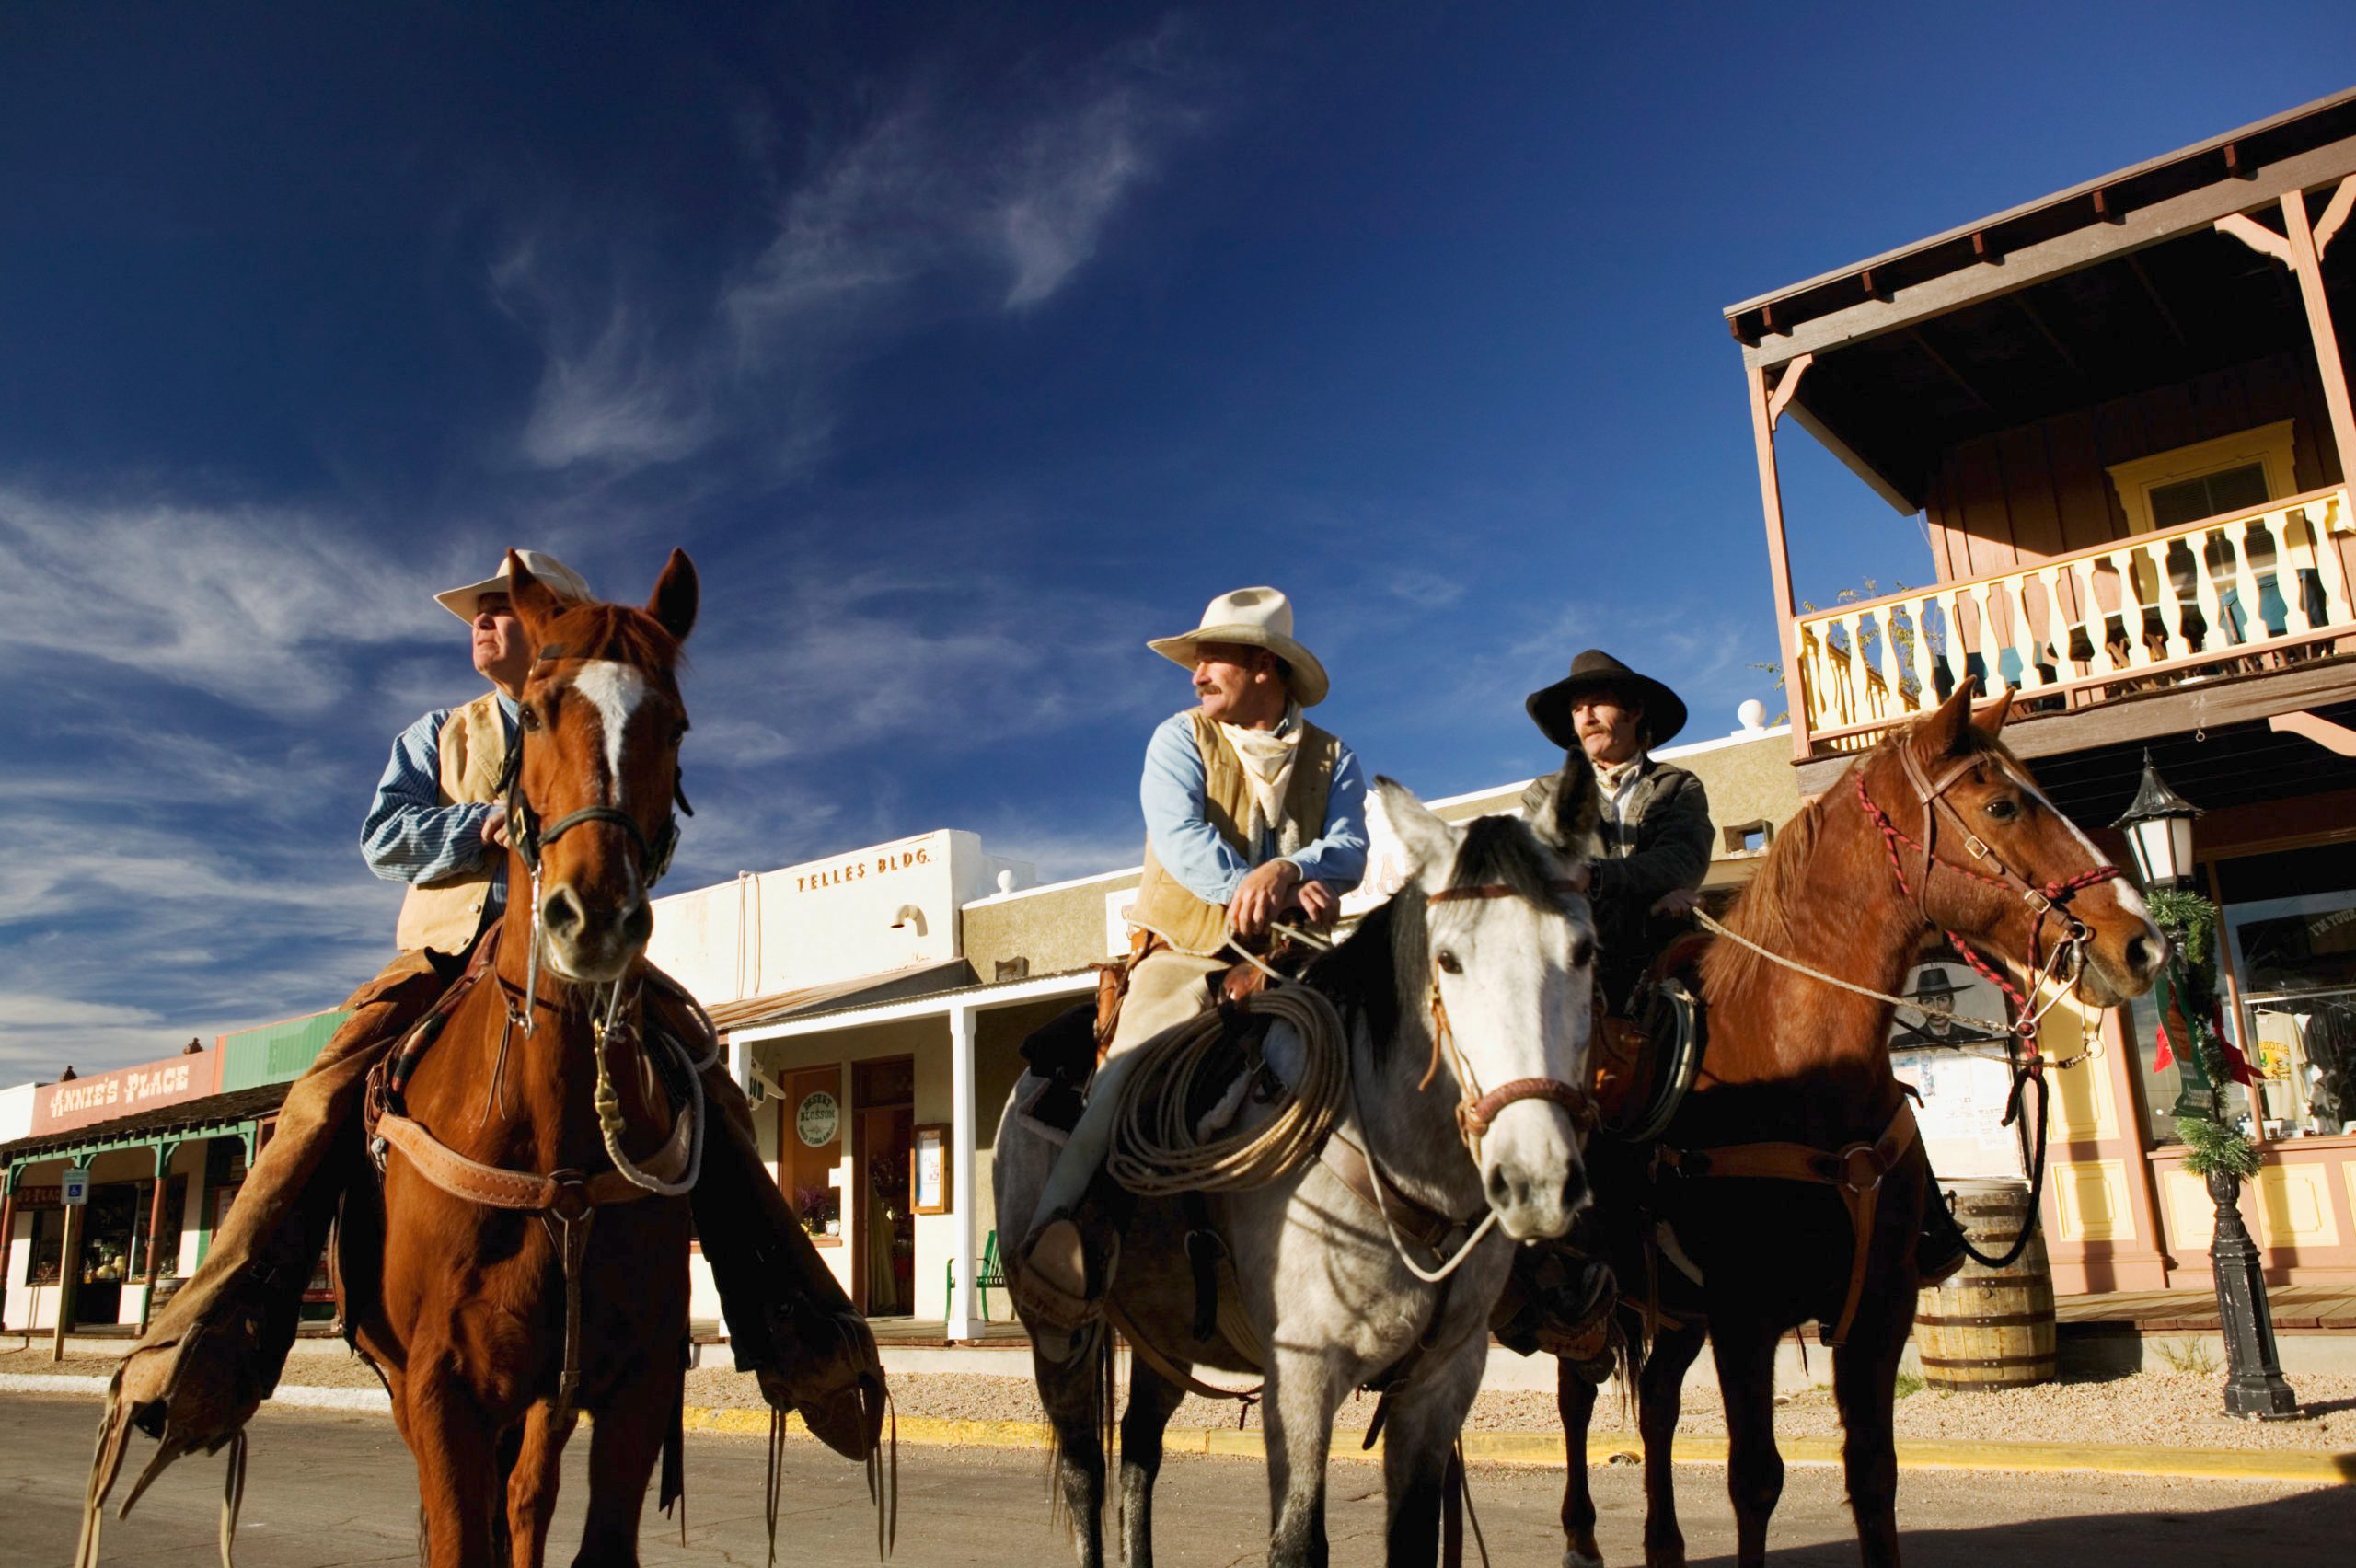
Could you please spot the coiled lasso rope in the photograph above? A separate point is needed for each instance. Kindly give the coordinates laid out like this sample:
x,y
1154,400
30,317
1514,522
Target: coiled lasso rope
x,y
1156,1151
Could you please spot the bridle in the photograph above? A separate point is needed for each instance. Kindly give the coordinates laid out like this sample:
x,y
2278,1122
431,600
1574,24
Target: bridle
x,y
2046,900
531,841
1476,1110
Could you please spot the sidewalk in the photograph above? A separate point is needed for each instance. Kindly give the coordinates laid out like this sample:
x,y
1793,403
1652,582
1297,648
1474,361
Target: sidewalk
x,y
2165,1424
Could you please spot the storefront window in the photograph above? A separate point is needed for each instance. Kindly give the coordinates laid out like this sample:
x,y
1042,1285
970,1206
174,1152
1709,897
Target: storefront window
x,y
810,1149
2296,959
2291,936
49,1246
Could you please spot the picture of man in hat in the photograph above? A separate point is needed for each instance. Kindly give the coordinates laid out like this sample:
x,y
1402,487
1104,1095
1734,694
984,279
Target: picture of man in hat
x,y
1253,815
1657,832
437,823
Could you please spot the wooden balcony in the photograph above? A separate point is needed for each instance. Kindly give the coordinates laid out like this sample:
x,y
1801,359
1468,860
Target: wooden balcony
x,y
2235,594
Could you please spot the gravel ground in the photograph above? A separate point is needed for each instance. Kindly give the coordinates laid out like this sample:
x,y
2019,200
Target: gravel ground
x,y
2161,1409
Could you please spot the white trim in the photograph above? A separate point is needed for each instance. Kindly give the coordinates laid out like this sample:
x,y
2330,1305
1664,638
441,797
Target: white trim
x,y
2269,445
963,1133
1021,892
938,1004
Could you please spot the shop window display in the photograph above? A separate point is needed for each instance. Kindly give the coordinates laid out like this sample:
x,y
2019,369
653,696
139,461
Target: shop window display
x,y
2295,958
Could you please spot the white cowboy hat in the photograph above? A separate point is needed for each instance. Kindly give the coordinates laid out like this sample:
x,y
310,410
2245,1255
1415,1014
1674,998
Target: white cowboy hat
x,y
561,579
1256,617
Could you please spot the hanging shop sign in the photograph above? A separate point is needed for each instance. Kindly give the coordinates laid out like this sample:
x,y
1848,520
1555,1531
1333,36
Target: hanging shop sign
x,y
816,1119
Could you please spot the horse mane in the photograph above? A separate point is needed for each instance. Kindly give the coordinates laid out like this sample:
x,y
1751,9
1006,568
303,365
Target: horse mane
x,y
1768,905
1381,969
622,632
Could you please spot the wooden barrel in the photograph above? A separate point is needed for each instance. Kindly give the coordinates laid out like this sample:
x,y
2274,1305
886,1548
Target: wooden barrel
x,y
1990,1328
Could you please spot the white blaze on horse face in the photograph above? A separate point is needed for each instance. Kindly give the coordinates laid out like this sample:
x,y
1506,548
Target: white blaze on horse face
x,y
2129,899
615,690
1517,1008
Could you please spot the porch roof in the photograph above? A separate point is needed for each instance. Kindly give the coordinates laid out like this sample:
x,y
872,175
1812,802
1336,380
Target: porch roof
x,y
213,1114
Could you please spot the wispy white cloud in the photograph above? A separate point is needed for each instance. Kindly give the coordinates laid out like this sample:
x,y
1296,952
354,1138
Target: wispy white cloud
x,y
939,204
243,602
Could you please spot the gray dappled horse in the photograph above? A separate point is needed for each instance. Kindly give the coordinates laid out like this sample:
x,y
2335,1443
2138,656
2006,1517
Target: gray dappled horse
x,y
1486,925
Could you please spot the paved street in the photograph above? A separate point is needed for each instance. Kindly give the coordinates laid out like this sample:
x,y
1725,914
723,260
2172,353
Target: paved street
x,y
336,1489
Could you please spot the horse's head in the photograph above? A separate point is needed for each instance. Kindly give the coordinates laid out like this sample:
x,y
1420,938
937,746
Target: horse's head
x,y
598,765
2012,875
1510,956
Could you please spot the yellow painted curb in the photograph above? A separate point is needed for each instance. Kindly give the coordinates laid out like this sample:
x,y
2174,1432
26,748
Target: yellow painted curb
x,y
2307,1465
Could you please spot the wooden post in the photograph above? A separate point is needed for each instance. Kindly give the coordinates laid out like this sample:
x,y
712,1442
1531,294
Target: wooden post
x,y
7,1238
164,1153
1764,408
69,1279
2306,262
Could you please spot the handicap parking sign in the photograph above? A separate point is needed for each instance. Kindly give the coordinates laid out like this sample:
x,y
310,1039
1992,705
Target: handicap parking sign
x,y
76,1185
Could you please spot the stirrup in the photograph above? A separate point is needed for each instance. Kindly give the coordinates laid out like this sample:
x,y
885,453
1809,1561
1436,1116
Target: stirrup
x,y
1054,1305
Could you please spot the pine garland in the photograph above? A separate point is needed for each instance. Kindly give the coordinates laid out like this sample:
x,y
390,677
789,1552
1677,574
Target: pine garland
x,y
2189,984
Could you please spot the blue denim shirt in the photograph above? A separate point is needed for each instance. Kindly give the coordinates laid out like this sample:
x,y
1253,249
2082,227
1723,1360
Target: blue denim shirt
x,y
1190,849
409,835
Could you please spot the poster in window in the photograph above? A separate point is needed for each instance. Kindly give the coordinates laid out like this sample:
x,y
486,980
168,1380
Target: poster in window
x,y
928,1179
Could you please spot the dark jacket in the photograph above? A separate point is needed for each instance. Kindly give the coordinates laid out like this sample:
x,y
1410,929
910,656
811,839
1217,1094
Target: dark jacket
x,y
1664,845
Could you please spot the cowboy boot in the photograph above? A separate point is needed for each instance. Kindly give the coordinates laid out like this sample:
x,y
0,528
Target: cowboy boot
x,y
216,1350
790,1322
1939,1245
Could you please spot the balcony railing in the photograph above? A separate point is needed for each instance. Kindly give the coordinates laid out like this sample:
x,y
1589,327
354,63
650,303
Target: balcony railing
x,y
2233,590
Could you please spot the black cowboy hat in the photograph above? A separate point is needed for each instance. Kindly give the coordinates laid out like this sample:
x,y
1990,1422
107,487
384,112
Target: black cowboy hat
x,y
1594,669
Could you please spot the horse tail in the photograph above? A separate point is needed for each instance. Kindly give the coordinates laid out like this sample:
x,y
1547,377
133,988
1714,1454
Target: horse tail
x,y
1095,1414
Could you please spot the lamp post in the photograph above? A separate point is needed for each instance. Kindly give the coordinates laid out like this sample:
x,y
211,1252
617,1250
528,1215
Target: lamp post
x,y
2158,825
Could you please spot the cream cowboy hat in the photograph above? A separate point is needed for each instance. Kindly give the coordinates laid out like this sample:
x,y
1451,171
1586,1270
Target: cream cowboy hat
x,y
1256,617
560,577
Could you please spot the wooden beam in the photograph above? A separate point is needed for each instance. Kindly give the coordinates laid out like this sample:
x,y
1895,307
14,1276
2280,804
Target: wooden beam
x,y
2256,234
2331,737
2335,212
2105,211
2046,332
1916,336
1779,557
1786,387
2151,293
1986,250
2067,252
2308,265
1874,287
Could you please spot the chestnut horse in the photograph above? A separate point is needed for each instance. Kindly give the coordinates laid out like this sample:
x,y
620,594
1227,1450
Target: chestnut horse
x,y
507,1281
1796,1149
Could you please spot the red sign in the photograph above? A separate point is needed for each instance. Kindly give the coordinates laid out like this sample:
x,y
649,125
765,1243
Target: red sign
x,y
51,1196
83,1102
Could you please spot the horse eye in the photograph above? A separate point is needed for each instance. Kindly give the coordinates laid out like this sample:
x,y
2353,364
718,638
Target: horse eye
x,y
2001,810
1449,964
1582,952
528,717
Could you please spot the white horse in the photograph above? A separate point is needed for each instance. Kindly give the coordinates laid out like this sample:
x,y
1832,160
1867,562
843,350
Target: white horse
x,y
1478,1120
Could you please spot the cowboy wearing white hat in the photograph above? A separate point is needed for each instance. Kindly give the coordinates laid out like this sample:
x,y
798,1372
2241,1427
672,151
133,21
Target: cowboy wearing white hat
x,y
1252,813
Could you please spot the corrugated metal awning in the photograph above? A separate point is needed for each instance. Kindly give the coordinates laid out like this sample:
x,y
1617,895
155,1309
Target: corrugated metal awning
x,y
889,984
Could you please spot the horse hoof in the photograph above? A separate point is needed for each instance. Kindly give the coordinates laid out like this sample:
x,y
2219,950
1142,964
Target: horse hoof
x,y
1576,1559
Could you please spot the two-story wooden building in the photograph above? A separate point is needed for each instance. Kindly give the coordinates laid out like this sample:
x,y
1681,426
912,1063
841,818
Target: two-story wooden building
x,y
2120,416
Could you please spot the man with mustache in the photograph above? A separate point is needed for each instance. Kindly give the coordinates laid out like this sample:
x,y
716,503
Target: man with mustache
x,y
1253,817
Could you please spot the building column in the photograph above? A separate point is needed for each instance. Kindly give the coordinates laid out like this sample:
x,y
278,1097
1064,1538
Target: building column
x,y
2307,245
1767,404
7,1239
164,1155
69,1279
962,1133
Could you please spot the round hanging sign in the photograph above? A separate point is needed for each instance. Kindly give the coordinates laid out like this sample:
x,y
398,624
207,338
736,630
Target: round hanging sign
x,y
816,1118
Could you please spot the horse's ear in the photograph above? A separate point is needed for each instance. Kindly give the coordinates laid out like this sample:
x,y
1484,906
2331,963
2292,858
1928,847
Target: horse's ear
x,y
1563,810
1429,843
1944,732
676,594
1992,717
535,603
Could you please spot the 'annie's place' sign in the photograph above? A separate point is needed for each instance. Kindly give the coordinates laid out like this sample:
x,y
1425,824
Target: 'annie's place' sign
x,y
79,1102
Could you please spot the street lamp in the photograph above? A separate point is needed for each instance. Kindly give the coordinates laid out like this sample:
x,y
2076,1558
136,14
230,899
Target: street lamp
x,y
2158,824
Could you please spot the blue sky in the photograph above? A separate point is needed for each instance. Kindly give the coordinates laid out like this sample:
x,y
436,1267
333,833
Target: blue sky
x,y
963,347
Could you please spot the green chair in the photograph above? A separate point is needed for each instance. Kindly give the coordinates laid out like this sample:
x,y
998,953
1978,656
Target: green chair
x,y
992,1273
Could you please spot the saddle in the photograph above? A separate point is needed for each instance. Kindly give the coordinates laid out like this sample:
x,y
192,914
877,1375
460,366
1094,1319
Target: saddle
x,y
1643,1062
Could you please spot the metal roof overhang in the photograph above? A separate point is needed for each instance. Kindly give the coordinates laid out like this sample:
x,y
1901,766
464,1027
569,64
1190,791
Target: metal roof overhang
x,y
733,1018
938,1004
213,1115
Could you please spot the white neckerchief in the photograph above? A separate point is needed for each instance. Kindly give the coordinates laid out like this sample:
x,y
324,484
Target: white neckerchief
x,y
1267,756
1618,781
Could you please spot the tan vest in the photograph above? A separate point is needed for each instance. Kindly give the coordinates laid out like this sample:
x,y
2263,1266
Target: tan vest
x,y
1170,909
444,914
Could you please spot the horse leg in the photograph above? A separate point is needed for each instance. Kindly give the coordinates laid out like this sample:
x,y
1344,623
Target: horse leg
x,y
1301,1398
1418,1437
1071,1392
624,1442
1574,1401
454,1442
1746,1358
1153,1399
531,1485
1864,1385
1660,1393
